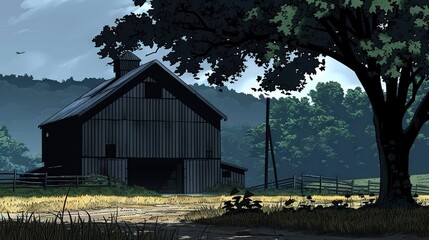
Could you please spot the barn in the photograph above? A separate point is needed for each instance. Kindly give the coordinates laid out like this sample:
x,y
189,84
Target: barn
x,y
144,127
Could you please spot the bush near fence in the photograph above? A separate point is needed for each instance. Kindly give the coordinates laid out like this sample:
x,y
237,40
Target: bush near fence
x,y
16,180
321,184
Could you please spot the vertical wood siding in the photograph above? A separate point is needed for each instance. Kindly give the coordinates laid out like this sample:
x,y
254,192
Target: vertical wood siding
x,y
200,174
113,167
150,128
144,128
235,178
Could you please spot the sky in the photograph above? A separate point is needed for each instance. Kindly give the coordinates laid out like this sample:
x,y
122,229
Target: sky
x,y
56,36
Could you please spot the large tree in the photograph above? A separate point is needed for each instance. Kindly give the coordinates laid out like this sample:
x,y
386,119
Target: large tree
x,y
383,42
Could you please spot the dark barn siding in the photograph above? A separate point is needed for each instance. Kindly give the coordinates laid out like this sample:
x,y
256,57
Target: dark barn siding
x,y
63,141
143,129
113,167
201,174
232,174
163,128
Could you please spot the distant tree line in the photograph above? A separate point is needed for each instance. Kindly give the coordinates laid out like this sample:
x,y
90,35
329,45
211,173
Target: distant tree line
x,y
26,81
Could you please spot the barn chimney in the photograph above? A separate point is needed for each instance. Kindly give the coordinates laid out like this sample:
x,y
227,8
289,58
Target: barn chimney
x,y
125,63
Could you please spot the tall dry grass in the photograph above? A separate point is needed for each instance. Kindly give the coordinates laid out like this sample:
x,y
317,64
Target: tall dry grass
x,y
88,202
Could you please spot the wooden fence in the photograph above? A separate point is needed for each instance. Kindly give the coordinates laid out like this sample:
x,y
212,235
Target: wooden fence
x,y
335,185
16,180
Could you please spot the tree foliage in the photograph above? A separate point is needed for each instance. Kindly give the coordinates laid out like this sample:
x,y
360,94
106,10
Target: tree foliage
x,y
309,137
14,155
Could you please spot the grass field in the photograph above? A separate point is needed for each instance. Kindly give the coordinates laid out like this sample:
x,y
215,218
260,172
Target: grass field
x,y
209,211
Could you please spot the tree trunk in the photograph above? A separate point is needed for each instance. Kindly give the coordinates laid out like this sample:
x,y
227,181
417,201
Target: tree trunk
x,y
393,149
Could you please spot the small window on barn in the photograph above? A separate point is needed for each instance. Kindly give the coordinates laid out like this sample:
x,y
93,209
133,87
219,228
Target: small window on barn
x,y
111,150
226,174
47,134
153,90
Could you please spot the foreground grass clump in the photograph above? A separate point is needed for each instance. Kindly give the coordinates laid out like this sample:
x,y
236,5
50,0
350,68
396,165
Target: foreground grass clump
x,y
368,221
29,227
350,216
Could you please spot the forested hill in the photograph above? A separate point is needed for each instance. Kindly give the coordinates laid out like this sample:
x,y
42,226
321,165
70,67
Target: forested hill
x,y
25,102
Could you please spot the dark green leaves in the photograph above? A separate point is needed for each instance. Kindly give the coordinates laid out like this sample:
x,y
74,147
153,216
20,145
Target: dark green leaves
x,y
13,154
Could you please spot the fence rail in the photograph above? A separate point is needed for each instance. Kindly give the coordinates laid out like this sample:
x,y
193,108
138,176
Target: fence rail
x,y
305,182
16,180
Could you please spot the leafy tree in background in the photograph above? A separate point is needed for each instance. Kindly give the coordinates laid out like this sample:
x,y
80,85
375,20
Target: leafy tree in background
x,y
382,42
14,155
309,137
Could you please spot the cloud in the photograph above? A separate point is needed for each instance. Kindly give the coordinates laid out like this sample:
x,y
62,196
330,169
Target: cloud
x,y
34,6
73,61
335,71
146,6
121,11
25,30
71,66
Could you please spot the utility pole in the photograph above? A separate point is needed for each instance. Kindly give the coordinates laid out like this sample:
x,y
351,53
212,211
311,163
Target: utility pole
x,y
269,141
267,122
272,156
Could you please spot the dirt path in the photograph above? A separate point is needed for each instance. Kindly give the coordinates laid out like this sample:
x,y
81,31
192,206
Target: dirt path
x,y
171,218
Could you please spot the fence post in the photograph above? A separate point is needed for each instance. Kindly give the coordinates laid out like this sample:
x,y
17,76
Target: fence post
x,y
336,187
46,181
353,186
302,183
77,181
320,184
294,181
14,179
110,180
416,189
369,186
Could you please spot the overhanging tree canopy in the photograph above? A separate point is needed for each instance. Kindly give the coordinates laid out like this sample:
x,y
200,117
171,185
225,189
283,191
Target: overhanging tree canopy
x,y
383,42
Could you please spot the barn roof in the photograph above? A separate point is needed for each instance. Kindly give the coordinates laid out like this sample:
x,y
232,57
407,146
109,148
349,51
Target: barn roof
x,y
232,167
100,93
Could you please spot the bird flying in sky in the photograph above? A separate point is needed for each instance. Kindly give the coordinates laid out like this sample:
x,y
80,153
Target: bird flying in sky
x,y
20,52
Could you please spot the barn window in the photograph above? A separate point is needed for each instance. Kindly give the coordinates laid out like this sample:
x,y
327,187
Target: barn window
x,y
153,90
47,134
111,150
226,174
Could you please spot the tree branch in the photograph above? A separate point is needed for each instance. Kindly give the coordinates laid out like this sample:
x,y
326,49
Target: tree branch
x,y
198,16
391,88
419,118
152,52
404,83
367,27
369,76
416,86
228,43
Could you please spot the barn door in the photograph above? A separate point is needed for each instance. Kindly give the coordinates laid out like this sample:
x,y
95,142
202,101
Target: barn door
x,y
161,175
